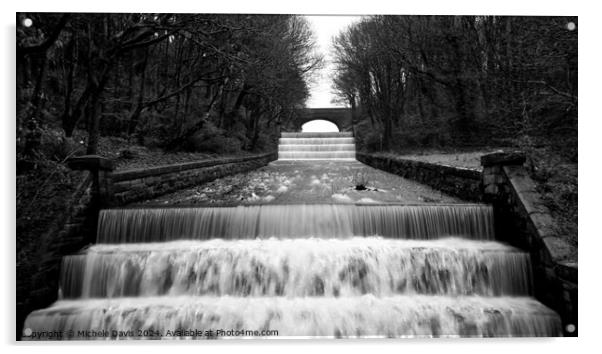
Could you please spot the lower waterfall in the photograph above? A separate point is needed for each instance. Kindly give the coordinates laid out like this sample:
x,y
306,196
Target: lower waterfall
x,y
323,270
361,316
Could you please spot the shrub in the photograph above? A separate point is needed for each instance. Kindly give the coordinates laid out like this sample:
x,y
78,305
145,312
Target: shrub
x,y
212,139
361,180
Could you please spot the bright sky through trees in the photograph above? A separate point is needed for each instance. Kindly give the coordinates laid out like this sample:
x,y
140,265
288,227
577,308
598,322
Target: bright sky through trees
x,y
325,28
319,126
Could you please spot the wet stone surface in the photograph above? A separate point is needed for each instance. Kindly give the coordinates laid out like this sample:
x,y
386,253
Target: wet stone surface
x,y
295,182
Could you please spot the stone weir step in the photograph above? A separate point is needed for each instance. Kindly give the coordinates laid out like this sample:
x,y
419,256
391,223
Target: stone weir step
x,y
315,155
317,147
317,135
290,267
315,141
470,221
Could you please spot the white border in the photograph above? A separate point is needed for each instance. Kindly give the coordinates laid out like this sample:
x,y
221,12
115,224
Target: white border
x,y
590,125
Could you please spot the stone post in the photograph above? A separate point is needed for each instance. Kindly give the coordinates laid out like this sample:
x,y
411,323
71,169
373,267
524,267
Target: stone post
x,y
494,181
497,191
101,169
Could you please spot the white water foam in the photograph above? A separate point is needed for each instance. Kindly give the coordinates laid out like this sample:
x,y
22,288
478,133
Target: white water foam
x,y
360,316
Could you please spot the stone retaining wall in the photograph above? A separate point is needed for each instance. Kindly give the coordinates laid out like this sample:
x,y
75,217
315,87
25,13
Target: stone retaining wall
x,y
460,182
68,234
524,221
134,185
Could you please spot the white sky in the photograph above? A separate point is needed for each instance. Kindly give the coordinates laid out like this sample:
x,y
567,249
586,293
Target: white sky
x,y
325,28
319,126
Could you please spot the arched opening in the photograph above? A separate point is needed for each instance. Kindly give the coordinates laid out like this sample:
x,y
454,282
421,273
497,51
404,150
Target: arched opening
x,y
319,126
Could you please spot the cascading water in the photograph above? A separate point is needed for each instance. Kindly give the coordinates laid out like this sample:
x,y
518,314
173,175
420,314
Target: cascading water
x,y
418,281
297,267
295,221
328,270
316,146
359,316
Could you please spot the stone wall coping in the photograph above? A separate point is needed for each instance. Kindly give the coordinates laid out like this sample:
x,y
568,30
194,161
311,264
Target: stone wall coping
x,y
539,214
159,170
503,158
458,171
90,162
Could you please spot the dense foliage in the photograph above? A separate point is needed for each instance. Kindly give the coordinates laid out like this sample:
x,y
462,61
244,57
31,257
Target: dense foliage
x,y
464,83
460,80
197,82
122,85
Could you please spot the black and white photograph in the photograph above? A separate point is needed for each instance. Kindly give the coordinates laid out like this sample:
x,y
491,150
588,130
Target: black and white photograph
x,y
258,176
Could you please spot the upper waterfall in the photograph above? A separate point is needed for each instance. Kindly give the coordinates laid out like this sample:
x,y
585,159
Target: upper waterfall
x,y
471,221
316,146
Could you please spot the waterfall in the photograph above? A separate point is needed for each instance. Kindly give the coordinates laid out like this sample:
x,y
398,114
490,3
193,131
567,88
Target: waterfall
x,y
296,221
315,141
360,316
302,270
325,270
297,267
316,146
317,135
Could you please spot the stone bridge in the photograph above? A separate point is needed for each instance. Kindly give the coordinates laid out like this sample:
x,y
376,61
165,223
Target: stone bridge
x,y
341,117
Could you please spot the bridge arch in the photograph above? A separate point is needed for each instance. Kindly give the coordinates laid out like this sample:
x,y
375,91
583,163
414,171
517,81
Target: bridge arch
x,y
319,126
341,117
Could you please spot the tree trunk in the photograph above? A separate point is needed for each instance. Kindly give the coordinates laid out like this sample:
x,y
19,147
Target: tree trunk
x,y
37,93
66,121
93,125
135,116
